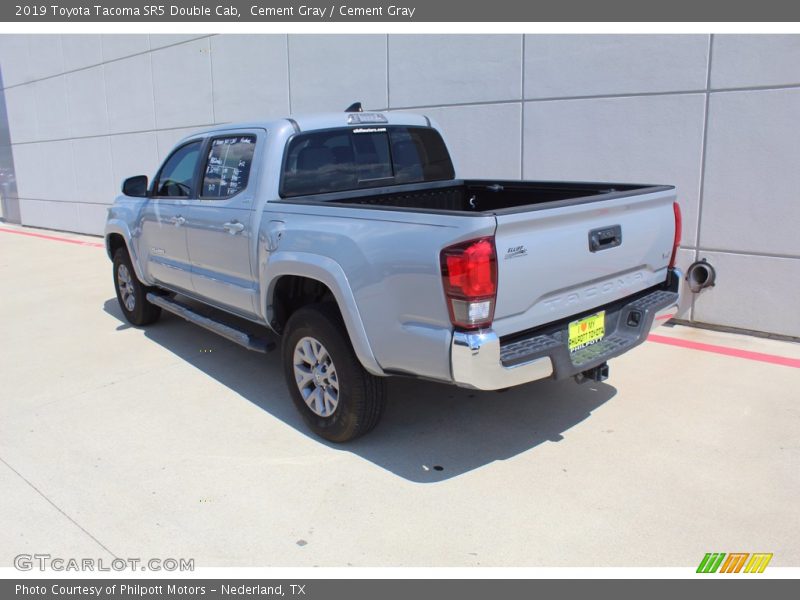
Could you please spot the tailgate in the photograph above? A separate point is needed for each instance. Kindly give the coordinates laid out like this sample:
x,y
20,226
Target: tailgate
x,y
555,263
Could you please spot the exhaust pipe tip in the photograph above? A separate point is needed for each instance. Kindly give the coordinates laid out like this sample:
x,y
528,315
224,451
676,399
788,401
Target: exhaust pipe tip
x,y
700,275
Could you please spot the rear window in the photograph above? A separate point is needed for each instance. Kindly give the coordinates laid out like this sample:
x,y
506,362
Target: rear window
x,y
347,159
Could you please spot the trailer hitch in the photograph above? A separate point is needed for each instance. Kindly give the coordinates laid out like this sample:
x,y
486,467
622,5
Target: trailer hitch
x,y
598,373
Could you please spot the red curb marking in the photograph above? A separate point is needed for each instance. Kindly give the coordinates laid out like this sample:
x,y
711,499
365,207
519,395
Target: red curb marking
x,y
746,354
55,238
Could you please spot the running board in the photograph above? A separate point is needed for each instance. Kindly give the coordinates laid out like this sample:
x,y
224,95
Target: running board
x,y
230,333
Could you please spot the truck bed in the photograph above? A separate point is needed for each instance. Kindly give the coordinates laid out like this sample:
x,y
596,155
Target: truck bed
x,y
483,196
551,262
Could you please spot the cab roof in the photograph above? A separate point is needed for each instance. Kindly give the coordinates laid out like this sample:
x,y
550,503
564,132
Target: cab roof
x,y
317,121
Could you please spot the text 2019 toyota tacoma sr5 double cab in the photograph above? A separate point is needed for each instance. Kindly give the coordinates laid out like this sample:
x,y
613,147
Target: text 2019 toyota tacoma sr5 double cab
x,y
349,235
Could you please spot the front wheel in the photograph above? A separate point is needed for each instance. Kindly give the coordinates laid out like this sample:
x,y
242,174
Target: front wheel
x,y
338,398
131,294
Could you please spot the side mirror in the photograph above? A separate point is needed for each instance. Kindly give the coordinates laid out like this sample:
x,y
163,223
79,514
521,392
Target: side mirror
x,y
135,186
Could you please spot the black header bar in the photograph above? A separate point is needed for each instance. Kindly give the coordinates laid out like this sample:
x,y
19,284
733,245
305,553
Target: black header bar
x,y
401,11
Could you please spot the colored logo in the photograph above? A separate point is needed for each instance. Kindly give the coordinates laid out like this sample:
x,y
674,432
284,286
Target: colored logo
x,y
735,562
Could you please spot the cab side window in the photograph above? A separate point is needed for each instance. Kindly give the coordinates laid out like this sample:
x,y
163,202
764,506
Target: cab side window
x,y
176,178
227,168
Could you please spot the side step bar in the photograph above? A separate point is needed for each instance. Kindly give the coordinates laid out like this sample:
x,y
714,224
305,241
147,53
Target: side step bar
x,y
235,335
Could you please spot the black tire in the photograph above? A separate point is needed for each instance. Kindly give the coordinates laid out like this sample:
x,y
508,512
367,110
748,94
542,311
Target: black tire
x,y
361,396
138,312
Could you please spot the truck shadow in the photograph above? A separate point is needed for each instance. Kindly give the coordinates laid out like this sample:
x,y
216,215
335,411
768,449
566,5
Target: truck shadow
x,y
430,432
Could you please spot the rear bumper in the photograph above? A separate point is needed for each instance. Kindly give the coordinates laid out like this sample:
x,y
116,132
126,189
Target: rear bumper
x,y
484,361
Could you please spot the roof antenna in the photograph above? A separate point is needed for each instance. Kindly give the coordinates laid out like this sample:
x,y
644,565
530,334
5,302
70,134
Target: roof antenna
x,y
354,107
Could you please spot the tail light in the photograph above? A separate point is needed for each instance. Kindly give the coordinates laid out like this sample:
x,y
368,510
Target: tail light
x,y
677,240
469,273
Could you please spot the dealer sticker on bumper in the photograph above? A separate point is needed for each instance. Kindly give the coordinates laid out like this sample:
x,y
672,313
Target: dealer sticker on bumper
x,y
587,331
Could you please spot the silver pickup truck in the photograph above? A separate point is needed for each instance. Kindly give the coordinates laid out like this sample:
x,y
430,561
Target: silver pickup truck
x,y
349,236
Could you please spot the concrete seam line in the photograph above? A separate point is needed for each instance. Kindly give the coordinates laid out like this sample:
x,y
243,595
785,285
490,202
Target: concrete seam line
x,y
58,508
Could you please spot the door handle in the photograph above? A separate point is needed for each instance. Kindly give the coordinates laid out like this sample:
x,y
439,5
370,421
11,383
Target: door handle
x,y
177,221
234,227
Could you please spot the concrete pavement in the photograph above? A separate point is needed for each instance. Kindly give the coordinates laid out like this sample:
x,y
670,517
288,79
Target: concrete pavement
x,y
172,442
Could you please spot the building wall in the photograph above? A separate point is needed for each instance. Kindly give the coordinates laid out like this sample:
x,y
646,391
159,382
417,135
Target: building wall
x,y
715,115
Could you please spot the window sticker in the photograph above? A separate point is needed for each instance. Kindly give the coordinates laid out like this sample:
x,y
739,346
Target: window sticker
x,y
228,166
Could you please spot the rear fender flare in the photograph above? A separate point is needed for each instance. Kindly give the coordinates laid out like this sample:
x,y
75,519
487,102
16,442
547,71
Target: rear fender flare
x,y
331,274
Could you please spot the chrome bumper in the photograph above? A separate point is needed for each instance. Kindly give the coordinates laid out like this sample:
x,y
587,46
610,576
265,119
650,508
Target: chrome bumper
x,y
477,358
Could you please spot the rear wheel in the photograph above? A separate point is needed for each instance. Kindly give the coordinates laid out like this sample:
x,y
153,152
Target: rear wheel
x,y
338,398
131,294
